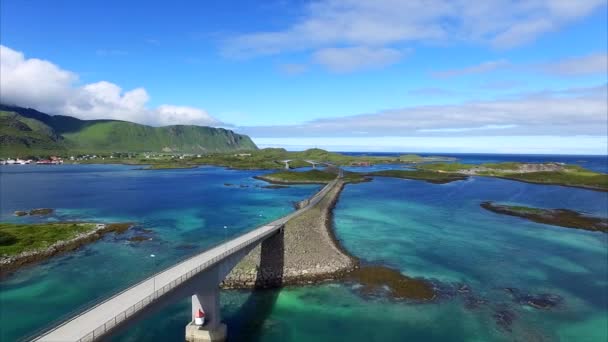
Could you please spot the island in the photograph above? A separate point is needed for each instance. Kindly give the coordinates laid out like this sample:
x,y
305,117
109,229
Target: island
x,y
311,177
556,217
423,175
22,244
323,177
540,173
262,159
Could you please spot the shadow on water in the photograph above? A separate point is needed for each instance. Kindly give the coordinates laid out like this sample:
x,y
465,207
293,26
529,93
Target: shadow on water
x,y
251,317
249,321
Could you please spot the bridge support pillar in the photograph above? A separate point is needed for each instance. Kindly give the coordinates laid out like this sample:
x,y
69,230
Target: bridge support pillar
x,y
214,330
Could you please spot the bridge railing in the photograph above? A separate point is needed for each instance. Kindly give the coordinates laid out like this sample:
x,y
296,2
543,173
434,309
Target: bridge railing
x,y
108,325
111,323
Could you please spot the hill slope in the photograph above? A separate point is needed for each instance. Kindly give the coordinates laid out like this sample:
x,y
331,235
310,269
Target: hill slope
x,y
25,130
20,135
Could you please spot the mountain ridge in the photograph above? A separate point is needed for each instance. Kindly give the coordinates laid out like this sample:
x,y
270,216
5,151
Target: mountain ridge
x,y
27,130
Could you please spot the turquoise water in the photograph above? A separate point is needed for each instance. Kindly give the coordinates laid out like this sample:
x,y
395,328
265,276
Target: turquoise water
x,y
485,266
185,210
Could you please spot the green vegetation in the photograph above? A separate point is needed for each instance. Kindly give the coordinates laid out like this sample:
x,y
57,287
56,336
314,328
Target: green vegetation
x,y
17,238
311,177
18,134
428,176
546,173
445,167
272,159
26,132
557,217
292,177
416,159
586,179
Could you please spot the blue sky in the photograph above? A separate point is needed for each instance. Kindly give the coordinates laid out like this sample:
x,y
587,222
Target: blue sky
x,y
502,76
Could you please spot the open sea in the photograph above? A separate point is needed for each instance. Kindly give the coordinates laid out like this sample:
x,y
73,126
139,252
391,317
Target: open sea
x,y
486,267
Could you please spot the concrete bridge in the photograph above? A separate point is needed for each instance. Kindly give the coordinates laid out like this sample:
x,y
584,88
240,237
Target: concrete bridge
x,y
199,277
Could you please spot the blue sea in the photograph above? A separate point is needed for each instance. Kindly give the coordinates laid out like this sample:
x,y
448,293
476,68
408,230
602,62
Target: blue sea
x,y
485,267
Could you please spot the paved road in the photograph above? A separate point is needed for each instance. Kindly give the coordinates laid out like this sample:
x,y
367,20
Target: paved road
x,y
98,320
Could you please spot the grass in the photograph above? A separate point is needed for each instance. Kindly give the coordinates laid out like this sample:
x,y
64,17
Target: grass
x,y
445,167
569,175
17,238
26,132
271,159
311,176
429,176
586,179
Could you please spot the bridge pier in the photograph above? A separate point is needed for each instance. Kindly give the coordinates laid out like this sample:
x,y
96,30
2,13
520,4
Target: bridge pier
x,y
207,299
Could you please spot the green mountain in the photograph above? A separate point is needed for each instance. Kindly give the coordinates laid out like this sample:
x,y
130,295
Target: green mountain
x,y
28,131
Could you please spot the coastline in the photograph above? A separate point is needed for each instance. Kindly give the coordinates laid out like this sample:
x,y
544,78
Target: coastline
x,y
548,183
9,264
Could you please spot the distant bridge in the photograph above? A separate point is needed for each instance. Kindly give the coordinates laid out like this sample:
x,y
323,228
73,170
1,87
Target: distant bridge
x,y
198,276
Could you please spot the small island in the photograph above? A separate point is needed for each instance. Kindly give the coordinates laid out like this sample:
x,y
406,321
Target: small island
x,y
423,175
557,217
22,244
311,177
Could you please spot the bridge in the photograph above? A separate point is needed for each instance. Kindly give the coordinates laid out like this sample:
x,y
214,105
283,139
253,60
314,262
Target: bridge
x,y
198,276
286,162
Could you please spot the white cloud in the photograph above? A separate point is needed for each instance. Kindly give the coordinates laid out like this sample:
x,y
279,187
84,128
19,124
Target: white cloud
x,y
590,64
390,24
169,115
585,145
42,85
357,57
569,112
596,63
473,69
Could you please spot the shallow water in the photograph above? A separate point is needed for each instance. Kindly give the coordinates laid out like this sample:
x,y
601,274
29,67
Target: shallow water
x,y
185,210
437,232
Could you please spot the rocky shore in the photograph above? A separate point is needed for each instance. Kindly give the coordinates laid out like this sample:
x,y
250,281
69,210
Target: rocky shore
x,y
305,252
557,217
9,263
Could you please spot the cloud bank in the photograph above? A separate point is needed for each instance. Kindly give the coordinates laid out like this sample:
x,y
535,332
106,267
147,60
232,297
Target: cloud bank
x,y
590,64
568,112
377,30
40,84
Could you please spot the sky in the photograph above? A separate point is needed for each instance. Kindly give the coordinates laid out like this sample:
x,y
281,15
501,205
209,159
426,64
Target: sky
x,y
495,76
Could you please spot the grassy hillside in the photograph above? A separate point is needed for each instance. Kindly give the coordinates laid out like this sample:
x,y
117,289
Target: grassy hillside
x,y
30,131
22,135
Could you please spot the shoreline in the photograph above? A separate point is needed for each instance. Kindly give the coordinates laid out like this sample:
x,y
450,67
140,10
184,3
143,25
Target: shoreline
x,y
10,264
548,183
307,252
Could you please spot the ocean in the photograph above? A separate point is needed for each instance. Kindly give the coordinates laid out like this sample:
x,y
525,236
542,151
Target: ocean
x,y
487,268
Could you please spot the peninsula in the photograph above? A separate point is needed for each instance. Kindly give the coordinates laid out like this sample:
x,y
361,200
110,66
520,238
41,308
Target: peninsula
x,y
22,244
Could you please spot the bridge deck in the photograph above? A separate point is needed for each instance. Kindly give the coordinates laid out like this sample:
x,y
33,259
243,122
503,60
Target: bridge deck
x,y
98,320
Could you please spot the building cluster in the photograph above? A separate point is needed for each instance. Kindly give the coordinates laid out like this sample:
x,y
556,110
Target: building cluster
x,y
18,161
